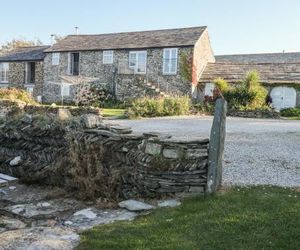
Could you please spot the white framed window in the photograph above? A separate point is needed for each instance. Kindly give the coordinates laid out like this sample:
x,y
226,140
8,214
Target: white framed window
x,y
170,60
65,90
4,68
108,56
138,61
55,58
209,89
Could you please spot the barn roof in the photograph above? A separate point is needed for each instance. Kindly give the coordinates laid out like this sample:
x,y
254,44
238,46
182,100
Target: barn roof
x,y
31,53
260,58
130,40
270,73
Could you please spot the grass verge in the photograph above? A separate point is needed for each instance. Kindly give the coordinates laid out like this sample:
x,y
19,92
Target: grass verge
x,y
118,113
242,218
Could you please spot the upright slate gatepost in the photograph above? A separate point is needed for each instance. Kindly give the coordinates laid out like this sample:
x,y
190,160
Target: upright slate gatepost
x,y
216,147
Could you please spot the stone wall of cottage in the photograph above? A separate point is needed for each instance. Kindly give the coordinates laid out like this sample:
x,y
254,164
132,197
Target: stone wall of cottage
x,y
16,77
123,85
203,54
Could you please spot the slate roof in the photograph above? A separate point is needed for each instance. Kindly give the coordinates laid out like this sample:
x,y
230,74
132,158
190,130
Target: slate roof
x,y
270,73
261,58
130,40
32,53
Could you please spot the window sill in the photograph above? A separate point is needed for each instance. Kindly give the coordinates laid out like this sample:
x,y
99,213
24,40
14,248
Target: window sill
x,y
169,74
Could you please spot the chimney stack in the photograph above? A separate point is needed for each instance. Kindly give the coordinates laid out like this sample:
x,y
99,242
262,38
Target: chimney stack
x,y
52,39
76,30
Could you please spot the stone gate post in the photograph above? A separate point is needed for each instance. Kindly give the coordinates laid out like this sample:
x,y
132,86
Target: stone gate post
x,y
216,147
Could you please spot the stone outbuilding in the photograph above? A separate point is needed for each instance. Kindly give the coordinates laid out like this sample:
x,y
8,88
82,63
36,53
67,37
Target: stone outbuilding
x,y
129,64
279,73
23,68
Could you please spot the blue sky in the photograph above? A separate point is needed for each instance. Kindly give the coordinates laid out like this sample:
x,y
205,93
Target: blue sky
x,y
235,26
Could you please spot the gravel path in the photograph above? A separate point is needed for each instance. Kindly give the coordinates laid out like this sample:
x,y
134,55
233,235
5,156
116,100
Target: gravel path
x,y
257,151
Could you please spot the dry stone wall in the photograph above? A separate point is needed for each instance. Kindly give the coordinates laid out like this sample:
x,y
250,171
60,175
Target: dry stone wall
x,y
96,160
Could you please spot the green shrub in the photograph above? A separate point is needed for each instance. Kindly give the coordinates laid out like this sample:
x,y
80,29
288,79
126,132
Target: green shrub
x,y
222,85
14,94
248,95
159,106
204,108
239,96
290,112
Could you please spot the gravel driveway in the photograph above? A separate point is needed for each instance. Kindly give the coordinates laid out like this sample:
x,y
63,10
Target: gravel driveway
x,y
257,151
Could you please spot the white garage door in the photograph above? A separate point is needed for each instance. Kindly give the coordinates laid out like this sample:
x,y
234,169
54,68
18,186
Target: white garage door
x,y
283,97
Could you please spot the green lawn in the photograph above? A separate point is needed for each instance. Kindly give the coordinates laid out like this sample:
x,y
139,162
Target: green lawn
x,y
245,218
119,113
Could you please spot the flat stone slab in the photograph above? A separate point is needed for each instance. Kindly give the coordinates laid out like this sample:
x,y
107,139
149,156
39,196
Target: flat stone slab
x,y
3,183
90,217
42,238
8,223
134,205
26,194
45,209
8,178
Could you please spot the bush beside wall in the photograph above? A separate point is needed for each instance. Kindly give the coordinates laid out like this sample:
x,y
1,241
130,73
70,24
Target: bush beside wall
x,y
290,112
160,106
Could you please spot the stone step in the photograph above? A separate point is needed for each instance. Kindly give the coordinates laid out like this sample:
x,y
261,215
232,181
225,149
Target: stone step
x,y
3,183
6,179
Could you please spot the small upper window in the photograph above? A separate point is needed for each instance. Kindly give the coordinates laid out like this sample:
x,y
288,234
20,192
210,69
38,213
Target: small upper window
x,y
108,56
4,68
170,61
55,58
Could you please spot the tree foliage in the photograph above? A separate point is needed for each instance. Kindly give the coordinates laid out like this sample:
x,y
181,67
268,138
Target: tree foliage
x,y
18,42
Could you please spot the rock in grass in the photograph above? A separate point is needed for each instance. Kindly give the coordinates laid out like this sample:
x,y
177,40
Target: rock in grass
x,y
169,203
133,205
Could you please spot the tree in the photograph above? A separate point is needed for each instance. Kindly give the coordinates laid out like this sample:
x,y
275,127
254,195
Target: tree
x,y
18,42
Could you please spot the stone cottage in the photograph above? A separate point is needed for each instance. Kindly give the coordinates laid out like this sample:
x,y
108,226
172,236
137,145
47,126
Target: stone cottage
x,y
279,73
130,64
23,68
